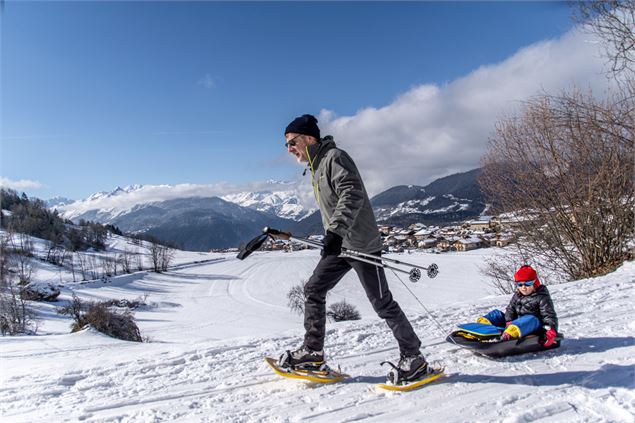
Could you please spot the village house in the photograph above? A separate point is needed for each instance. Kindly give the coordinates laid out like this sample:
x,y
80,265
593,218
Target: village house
x,y
425,233
385,230
467,244
447,243
506,223
482,232
483,223
503,240
416,227
427,243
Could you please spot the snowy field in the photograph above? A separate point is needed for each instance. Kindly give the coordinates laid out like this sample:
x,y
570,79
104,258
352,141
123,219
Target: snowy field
x,y
212,318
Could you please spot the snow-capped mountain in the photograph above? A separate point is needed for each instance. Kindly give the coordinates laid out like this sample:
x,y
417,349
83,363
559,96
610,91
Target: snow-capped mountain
x,y
447,200
102,206
117,191
189,215
197,224
282,200
452,198
58,201
198,216
285,204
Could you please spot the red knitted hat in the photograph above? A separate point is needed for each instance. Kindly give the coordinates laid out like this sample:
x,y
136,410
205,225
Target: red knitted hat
x,y
527,273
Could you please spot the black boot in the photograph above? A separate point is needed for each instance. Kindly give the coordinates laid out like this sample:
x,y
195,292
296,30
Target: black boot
x,y
302,358
411,367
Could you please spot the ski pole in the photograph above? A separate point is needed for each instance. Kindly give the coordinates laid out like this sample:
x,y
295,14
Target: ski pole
x,y
414,274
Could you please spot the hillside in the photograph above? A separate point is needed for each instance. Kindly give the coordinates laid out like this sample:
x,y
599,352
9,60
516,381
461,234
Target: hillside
x,y
212,322
446,200
201,222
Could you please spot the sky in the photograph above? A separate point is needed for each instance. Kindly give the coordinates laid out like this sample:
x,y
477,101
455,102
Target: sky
x,y
97,94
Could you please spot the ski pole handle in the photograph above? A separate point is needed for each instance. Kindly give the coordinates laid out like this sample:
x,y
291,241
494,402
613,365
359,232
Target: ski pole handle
x,y
274,233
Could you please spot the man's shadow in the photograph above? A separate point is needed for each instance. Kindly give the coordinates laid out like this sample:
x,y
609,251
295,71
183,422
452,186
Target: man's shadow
x,y
594,345
607,376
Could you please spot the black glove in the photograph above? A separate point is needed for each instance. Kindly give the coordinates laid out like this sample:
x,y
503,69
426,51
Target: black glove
x,y
332,244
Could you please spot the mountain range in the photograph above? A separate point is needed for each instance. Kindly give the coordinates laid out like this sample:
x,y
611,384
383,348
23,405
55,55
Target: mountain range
x,y
198,221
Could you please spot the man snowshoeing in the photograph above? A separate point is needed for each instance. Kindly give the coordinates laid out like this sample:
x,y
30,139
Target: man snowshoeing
x,y
349,222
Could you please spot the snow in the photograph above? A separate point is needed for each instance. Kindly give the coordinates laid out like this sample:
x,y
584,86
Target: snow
x,y
285,204
279,197
212,318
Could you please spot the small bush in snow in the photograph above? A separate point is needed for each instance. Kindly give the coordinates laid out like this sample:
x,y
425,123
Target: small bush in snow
x,y
131,304
40,292
15,315
342,311
118,324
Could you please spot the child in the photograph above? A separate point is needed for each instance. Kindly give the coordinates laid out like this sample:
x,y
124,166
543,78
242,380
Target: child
x,y
529,309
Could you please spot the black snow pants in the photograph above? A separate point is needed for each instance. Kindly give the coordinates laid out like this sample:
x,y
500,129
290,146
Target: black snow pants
x,y
329,271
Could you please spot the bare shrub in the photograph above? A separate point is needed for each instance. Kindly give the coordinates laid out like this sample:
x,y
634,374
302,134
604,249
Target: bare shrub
x,y
125,260
21,255
108,267
40,291
56,253
118,324
74,309
139,262
500,269
15,314
115,323
342,311
564,169
161,257
130,304
296,298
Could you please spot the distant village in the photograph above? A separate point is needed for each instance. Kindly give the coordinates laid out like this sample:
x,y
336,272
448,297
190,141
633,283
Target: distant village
x,y
484,232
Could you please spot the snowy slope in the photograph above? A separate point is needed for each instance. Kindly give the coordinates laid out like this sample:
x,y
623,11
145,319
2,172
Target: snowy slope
x,y
211,323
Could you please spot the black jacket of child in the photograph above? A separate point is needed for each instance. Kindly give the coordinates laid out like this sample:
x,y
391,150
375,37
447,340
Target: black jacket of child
x,y
537,303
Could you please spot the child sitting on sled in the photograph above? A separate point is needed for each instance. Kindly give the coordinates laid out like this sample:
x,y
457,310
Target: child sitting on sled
x,y
530,309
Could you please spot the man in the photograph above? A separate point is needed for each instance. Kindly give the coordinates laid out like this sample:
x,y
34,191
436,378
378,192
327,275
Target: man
x,y
349,222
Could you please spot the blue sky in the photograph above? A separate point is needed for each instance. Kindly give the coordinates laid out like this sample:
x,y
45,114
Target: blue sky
x,y
101,94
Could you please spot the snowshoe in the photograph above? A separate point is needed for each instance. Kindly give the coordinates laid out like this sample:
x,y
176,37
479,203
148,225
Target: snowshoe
x,y
302,359
322,375
418,373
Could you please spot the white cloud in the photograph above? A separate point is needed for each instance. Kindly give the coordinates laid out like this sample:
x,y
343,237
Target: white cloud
x,y
22,184
207,81
123,200
432,131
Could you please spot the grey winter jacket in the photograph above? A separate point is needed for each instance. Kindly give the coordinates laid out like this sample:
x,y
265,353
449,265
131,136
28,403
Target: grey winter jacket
x,y
342,198
538,303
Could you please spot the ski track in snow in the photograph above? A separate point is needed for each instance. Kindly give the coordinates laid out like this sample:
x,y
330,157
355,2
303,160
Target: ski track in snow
x,y
206,359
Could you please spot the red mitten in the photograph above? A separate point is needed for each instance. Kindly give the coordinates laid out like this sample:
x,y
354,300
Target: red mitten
x,y
550,337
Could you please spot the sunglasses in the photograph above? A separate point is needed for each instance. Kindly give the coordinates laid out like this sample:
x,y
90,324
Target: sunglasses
x,y
292,142
528,283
